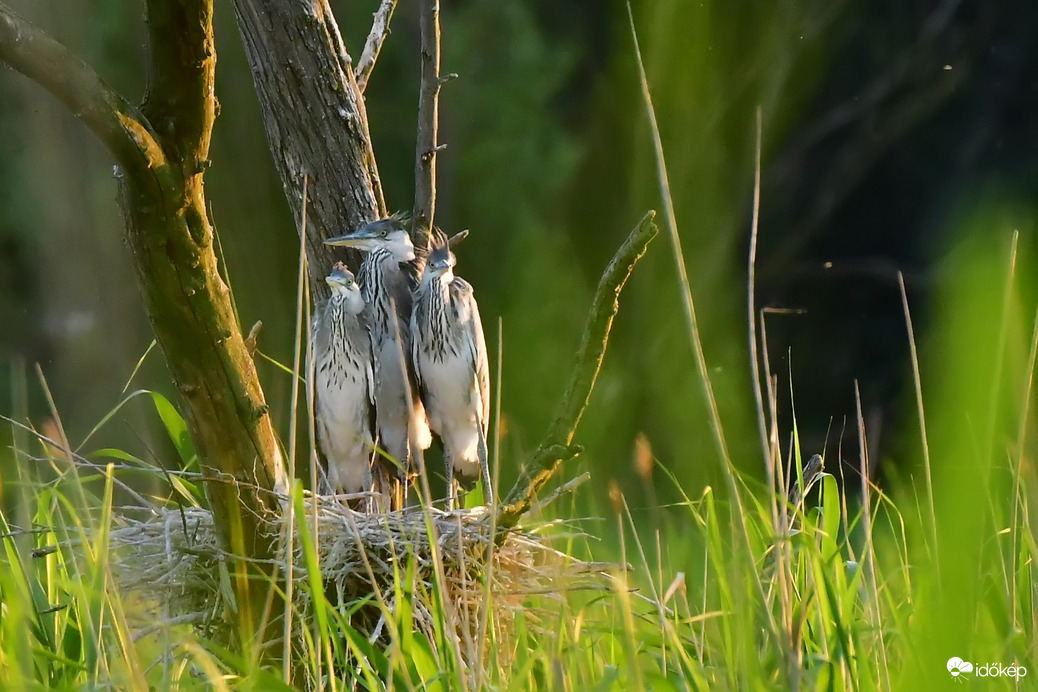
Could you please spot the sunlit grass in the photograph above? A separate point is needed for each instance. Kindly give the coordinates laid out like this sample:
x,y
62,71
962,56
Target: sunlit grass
x,y
848,588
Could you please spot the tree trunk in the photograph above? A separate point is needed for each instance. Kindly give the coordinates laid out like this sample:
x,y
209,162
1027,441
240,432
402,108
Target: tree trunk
x,y
315,120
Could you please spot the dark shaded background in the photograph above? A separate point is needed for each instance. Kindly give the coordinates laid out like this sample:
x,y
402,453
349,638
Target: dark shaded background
x,y
889,127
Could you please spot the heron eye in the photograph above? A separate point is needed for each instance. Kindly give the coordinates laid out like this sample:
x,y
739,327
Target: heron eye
x,y
384,233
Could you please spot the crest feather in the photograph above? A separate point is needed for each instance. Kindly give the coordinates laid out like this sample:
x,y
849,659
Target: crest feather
x,y
439,246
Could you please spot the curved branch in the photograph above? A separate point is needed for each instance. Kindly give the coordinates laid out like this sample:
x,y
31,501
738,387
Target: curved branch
x,y
379,31
428,117
120,127
557,445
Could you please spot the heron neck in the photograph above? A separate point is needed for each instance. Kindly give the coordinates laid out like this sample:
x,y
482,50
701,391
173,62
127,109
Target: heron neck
x,y
384,278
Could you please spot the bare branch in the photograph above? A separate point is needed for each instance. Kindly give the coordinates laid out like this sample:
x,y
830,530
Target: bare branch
x,y
557,445
428,118
379,31
119,126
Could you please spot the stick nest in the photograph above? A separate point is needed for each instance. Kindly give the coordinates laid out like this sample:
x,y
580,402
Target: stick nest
x,y
172,562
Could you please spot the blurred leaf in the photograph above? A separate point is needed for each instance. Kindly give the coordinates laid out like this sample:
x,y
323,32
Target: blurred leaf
x,y
426,667
177,430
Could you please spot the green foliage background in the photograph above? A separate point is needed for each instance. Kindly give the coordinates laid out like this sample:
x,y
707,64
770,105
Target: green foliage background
x,y
549,164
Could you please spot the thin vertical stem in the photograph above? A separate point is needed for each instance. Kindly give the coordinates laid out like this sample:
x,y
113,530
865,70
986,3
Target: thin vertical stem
x,y
1021,439
996,375
297,351
428,119
751,310
869,556
922,417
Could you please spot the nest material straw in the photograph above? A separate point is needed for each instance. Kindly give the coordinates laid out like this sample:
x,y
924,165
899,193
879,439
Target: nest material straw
x,y
172,561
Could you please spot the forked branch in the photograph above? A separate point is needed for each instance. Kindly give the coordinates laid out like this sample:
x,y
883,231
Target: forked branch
x,y
557,445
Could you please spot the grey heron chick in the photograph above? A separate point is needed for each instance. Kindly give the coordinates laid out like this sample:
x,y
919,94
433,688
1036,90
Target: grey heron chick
x,y
449,353
387,278
344,384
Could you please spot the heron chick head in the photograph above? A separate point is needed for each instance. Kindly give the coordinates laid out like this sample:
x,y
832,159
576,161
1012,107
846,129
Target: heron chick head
x,y
344,286
441,261
388,233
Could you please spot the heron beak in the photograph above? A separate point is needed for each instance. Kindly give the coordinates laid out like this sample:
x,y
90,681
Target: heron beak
x,y
360,238
440,267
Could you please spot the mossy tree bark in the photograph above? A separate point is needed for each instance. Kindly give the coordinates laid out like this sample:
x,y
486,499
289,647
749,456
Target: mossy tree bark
x,y
162,154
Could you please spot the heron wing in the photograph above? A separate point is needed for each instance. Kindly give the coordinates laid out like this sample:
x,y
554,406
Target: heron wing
x,y
364,319
477,345
415,327
318,332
